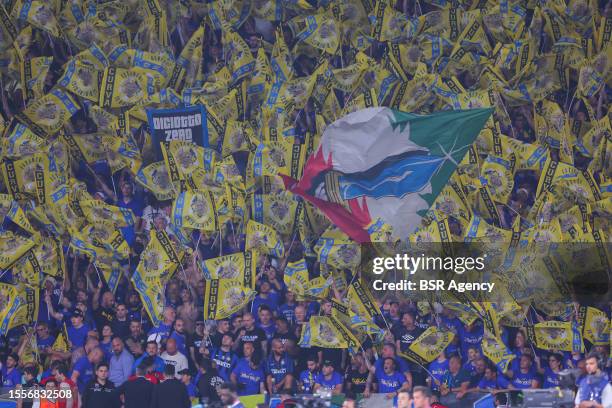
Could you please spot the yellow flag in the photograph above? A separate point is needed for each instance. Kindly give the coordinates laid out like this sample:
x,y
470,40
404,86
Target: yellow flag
x,y
595,325
123,87
428,346
61,341
159,259
196,210
263,238
494,349
47,115
224,297
239,267
12,248
555,335
156,179
327,332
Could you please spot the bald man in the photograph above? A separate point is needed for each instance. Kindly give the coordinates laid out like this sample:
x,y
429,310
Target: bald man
x,y
174,357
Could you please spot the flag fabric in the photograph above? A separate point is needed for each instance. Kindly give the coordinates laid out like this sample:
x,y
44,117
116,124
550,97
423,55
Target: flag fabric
x,y
224,297
382,163
428,346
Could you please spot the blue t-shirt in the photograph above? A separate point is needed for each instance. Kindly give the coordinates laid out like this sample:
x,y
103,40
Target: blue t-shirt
x,y
308,378
269,330
77,336
521,380
389,383
86,372
107,349
437,369
163,332
271,301
249,379
279,369
551,379
11,379
471,339
181,342
400,365
48,342
331,383
288,312
500,383
226,361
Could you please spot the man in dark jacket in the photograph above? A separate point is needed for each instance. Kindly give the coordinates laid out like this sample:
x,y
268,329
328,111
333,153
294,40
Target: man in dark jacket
x,y
137,392
100,392
170,392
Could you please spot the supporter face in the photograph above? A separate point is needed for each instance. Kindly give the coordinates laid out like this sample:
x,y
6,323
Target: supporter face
x,y
407,320
185,295
581,365
108,300
121,311
50,385
81,296
135,328
290,297
554,363
152,349
480,366
265,287
277,347
42,331
248,321
227,397
117,346
327,308
106,331
81,306
591,365
10,362
126,189
388,351
77,321
472,354
327,370
237,323
102,373
300,314
389,366
356,361
311,365
248,349
169,314
419,400
525,362
171,346
97,355
519,340
489,374
179,325
265,316
394,309
227,341
454,364
133,299
281,326
403,400
223,326
348,403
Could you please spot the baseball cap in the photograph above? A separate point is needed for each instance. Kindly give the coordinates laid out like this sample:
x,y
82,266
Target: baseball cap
x,y
328,363
77,313
185,371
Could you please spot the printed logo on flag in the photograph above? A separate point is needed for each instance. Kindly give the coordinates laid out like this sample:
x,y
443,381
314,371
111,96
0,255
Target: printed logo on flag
x,y
184,124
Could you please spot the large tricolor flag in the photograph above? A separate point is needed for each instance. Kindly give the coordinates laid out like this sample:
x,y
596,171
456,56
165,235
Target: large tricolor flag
x,y
382,164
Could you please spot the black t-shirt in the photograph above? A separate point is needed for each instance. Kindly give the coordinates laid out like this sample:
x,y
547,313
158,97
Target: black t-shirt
x,y
257,336
357,380
207,386
217,337
29,385
284,337
407,337
104,316
121,328
97,395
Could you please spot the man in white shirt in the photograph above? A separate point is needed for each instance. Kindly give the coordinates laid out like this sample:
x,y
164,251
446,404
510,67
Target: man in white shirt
x,y
174,357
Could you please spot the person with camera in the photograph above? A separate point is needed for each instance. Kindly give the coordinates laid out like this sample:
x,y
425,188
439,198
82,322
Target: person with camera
x,y
594,390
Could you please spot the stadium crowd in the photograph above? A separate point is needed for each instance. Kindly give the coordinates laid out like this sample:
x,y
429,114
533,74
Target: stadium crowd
x,y
116,357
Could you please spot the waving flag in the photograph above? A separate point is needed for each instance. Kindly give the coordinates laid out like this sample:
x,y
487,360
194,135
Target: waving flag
x,y
379,163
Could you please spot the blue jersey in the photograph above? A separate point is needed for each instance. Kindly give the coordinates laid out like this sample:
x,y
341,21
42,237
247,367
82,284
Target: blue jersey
x,y
86,372
77,337
329,384
288,312
551,379
389,383
500,383
400,365
437,369
523,380
11,379
248,378
226,362
279,369
308,378
471,338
